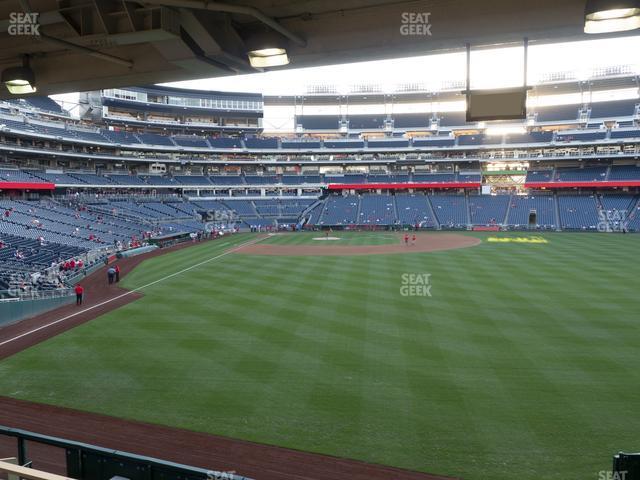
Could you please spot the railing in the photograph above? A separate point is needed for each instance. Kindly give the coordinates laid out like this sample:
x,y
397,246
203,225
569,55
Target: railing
x,y
18,295
84,460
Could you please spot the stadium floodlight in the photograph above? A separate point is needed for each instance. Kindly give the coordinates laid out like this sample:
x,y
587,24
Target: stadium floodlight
x,y
603,16
20,80
266,49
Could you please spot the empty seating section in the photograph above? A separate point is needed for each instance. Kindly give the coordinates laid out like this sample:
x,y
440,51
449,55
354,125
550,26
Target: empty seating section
x,y
192,180
613,109
227,179
578,212
261,179
414,210
91,178
194,141
633,218
155,139
622,134
160,180
558,113
347,178
586,174
269,143
225,142
399,143
127,180
488,210
344,144
434,177
44,103
452,119
366,122
534,176
469,177
377,210
124,138
582,136
466,140
59,178
340,211
450,210
434,142
94,137
244,208
618,202
301,179
521,207
531,137
624,172
412,120
18,176
318,122
300,144
315,214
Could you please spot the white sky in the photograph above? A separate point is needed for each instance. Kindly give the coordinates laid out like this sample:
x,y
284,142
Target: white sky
x,y
487,69
492,68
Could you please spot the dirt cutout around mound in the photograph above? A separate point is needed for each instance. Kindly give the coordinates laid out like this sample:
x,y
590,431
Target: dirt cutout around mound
x,y
424,243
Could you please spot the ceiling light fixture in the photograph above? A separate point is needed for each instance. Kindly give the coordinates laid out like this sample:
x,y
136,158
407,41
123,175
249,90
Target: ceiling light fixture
x,y
604,16
20,80
267,49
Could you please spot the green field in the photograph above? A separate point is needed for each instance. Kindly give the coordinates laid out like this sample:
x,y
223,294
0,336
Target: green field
x,y
522,364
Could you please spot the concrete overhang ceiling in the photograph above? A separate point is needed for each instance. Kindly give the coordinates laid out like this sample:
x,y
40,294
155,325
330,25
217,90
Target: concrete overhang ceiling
x,y
92,44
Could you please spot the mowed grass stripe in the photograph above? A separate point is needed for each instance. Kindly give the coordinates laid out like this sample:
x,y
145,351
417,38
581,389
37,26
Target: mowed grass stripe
x,y
521,364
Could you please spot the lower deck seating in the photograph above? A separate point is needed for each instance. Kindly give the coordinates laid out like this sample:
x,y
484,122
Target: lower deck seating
x,y
450,210
578,212
520,209
488,210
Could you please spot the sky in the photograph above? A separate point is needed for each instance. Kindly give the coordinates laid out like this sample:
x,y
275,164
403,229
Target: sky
x,y
433,71
487,69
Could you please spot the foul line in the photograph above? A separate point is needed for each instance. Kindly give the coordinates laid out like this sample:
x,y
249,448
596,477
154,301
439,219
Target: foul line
x,y
42,327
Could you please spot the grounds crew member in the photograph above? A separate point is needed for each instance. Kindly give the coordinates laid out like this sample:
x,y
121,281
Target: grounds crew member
x,y
79,294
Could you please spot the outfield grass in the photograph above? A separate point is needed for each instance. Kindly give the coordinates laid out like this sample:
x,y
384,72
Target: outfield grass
x,y
345,238
523,363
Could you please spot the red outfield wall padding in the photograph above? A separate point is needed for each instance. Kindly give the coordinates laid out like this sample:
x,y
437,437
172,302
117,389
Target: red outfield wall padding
x,y
400,186
26,186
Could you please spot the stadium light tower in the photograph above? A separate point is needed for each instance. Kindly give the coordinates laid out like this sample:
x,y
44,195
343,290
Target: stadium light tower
x,y
604,16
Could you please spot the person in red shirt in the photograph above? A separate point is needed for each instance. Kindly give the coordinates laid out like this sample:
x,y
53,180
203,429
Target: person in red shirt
x,y
413,239
406,239
117,273
79,294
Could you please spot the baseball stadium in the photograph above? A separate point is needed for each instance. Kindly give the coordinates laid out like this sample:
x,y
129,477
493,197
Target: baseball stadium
x,y
304,240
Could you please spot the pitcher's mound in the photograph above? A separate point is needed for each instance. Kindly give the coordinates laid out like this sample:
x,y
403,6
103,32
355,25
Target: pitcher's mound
x,y
425,242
